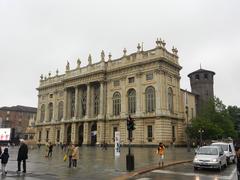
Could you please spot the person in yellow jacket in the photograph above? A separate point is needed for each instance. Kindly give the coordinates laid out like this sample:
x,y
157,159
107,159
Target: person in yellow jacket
x,y
75,155
161,152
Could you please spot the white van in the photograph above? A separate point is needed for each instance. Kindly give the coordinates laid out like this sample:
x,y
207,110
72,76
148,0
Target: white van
x,y
228,149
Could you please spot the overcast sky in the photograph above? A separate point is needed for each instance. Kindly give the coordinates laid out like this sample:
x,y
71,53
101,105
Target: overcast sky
x,y
37,37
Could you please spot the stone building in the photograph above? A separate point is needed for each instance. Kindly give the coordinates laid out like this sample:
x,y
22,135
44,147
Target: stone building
x,y
86,105
17,118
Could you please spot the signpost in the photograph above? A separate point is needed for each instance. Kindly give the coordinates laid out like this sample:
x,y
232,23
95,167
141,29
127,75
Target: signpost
x,y
117,143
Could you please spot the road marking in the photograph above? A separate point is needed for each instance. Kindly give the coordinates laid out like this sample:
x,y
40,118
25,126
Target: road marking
x,y
230,177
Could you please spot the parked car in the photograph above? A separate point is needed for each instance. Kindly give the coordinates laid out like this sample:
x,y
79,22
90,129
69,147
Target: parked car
x,y
210,157
228,149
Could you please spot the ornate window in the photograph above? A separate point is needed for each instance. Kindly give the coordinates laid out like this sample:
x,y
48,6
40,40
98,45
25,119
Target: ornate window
x,y
60,111
170,100
149,133
50,111
42,117
149,76
84,102
116,103
72,103
150,99
131,101
96,100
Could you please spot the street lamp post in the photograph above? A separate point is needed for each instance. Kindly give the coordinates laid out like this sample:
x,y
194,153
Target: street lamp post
x,y
188,140
201,131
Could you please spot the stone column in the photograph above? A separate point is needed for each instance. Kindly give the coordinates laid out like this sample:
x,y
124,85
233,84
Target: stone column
x,y
86,137
63,137
76,114
80,104
65,112
88,104
74,133
47,113
101,100
139,95
158,93
100,132
124,106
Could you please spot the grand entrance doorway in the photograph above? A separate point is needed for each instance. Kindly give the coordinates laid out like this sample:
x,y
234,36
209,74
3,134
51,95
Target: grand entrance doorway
x,y
80,135
69,132
94,134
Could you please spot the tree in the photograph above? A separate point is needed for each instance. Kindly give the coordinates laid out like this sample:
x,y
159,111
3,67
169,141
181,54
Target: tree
x,y
215,120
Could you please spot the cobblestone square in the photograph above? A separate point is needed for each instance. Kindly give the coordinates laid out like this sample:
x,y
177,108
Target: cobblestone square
x,y
94,163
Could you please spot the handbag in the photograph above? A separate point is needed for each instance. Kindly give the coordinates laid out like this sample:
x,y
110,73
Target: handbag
x,y
65,157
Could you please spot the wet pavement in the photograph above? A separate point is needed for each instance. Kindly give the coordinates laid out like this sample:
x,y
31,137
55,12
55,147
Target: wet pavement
x,y
94,163
185,171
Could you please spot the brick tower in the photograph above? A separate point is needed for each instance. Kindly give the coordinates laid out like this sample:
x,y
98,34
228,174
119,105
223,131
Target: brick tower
x,y
202,85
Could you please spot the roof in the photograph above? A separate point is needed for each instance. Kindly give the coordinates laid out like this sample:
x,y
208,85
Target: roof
x,y
19,109
201,71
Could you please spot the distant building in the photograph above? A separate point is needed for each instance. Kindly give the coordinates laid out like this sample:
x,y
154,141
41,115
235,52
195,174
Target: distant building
x,y
17,118
86,105
202,86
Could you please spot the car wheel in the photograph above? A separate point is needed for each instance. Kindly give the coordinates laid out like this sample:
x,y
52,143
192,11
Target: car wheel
x,y
234,160
195,168
220,167
225,165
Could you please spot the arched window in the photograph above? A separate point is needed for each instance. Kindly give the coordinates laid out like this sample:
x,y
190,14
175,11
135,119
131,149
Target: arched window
x,y
131,101
150,99
60,111
96,100
50,111
116,103
42,115
170,100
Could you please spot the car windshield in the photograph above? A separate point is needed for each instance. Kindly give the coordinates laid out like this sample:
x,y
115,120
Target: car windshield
x,y
207,151
224,146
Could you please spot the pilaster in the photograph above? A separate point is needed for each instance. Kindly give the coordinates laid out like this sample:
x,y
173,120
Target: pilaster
x,y
86,137
74,133
101,100
76,112
88,101
63,137
65,112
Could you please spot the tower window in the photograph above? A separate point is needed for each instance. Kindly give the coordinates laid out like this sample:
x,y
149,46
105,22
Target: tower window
x,y
205,76
197,77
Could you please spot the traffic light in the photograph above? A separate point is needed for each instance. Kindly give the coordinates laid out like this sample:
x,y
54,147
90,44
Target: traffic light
x,y
130,124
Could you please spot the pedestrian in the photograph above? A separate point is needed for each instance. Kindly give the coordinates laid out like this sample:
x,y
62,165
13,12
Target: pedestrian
x,y
69,154
50,149
4,160
160,152
0,150
22,156
75,155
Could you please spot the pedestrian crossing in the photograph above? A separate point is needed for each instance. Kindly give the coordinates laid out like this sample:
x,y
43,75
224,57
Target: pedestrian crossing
x,y
232,176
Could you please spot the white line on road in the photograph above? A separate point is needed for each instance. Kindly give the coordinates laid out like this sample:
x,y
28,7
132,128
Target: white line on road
x,y
230,177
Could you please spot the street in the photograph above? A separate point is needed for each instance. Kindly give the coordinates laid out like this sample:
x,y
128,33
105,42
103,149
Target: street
x,y
186,172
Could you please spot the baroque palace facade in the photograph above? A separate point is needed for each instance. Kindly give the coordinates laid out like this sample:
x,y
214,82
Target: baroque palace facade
x,y
86,105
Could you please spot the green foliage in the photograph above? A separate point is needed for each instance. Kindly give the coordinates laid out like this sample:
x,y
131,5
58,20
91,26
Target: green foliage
x,y
215,120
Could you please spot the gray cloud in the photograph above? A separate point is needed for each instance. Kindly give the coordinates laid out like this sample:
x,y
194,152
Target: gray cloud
x,y
40,36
